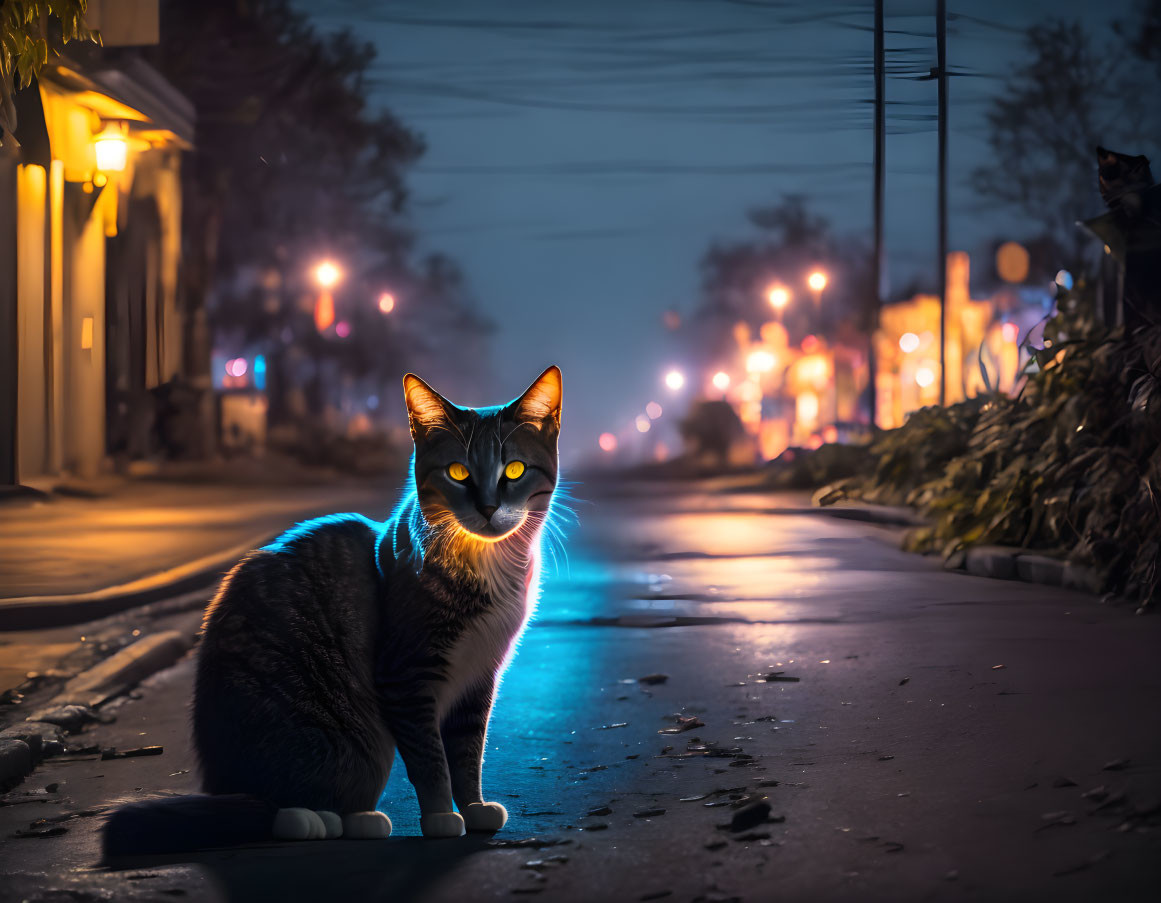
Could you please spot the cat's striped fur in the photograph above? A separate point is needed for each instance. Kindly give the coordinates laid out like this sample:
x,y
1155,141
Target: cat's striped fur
x,y
346,640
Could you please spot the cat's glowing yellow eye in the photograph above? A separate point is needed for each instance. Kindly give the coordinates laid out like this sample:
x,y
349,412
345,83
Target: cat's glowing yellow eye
x,y
457,472
514,470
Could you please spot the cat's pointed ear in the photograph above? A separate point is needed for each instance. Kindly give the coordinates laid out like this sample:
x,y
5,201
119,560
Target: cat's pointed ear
x,y
540,404
426,408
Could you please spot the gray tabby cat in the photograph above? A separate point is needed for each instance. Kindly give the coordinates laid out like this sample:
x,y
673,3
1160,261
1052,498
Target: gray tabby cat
x,y
347,639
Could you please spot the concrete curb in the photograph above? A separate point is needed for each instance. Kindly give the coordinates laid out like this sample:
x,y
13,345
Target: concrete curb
x,y
1005,563
15,762
122,670
35,612
22,744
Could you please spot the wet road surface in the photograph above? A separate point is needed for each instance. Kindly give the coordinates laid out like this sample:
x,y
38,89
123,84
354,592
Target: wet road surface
x,y
930,736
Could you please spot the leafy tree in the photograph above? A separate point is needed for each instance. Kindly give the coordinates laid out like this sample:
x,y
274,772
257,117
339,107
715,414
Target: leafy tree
x,y
30,32
293,164
1075,91
792,241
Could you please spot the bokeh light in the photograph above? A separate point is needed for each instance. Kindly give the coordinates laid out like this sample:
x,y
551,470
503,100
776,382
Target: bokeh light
x,y
607,442
327,274
653,409
908,342
675,380
721,380
778,297
817,281
643,423
386,302
342,329
924,376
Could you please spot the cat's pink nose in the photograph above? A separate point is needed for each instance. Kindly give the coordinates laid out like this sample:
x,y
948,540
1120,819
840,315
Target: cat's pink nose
x,y
488,511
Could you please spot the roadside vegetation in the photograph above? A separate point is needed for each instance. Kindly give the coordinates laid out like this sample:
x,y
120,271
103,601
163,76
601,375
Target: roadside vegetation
x,y
1070,466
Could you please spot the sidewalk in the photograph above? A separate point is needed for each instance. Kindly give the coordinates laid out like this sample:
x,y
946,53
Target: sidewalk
x,y
147,538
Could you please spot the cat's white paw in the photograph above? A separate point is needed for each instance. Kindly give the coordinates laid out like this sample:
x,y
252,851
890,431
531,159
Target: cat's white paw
x,y
298,824
442,824
332,823
486,817
366,826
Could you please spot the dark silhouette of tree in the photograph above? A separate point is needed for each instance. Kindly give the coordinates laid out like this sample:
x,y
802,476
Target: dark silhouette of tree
x,y
292,164
1076,90
792,242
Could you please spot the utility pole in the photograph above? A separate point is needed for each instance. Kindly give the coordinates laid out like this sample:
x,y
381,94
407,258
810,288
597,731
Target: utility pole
x,y
877,267
941,62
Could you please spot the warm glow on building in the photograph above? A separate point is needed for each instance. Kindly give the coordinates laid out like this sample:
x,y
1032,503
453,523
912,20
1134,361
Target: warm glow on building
x,y
806,408
760,361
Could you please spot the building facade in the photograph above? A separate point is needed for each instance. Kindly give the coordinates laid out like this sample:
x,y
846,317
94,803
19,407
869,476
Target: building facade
x,y
90,246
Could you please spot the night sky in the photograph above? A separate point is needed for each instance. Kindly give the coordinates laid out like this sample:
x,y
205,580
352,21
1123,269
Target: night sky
x,y
582,154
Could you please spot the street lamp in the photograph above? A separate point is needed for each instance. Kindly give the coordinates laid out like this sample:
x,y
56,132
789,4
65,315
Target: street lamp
x,y
817,282
327,274
721,380
386,302
779,297
111,149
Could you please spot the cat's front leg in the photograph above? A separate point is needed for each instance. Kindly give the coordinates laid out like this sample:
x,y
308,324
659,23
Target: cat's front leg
x,y
411,718
465,731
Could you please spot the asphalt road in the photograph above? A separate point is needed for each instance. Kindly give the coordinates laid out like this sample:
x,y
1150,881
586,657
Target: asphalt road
x,y
937,744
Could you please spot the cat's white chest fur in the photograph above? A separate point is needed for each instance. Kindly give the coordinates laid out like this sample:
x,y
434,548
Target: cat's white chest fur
x,y
482,650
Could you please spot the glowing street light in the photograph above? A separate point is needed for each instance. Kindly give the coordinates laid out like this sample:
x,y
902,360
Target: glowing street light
x,y
817,281
721,380
386,303
675,380
111,149
327,274
778,296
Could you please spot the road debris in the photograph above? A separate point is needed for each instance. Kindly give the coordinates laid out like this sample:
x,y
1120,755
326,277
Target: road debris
x,y
684,723
529,843
649,813
653,679
114,753
905,680
750,816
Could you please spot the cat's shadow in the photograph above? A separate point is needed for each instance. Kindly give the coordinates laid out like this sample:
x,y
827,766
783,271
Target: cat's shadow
x,y
400,868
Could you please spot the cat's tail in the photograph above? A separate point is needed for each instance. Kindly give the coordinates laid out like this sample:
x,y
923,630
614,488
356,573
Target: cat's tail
x,y
177,824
